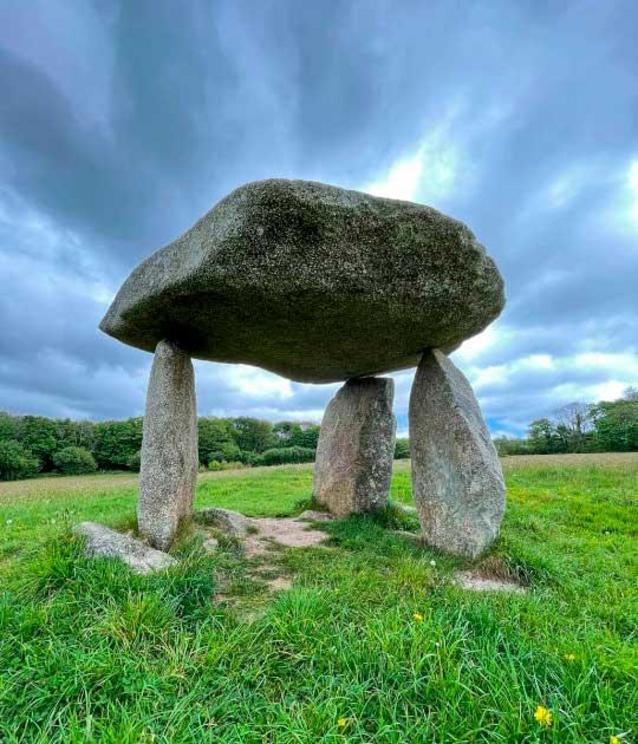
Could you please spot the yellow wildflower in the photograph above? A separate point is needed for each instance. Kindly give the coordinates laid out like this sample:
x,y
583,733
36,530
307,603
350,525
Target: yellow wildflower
x,y
418,617
544,716
570,657
342,723
614,739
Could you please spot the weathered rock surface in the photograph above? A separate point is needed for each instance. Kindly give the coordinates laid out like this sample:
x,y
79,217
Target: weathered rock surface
x,y
104,542
231,522
168,469
313,282
353,465
457,481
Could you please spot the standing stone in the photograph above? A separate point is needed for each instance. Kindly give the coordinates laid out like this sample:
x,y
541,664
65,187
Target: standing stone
x,y
457,480
353,466
169,459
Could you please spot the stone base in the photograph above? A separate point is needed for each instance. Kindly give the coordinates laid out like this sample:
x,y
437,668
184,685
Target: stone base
x,y
231,522
457,481
104,542
353,466
168,470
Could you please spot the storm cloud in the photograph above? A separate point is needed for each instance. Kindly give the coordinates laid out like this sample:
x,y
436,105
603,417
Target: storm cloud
x,y
122,123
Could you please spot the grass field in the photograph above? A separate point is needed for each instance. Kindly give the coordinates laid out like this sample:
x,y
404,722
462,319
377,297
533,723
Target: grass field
x,y
373,643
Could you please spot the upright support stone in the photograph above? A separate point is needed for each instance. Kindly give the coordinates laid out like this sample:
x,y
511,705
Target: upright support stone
x,y
457,480
353,466
169,460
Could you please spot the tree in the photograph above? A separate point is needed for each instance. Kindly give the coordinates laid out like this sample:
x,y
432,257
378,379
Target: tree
x,y
542,437
75,434
296,434
305,435
8,426
215,439
616,425
116,442
402,449
282,431
252,435
38,435
74,461
573,427
16,461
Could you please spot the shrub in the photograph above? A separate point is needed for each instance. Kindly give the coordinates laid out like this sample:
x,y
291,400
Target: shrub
x,y
285,455
74,461
248,458
16,461
222,465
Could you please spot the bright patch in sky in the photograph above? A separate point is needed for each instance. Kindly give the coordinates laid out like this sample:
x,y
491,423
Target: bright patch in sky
x,y
565,188
427,175
478,344
258,383
402,180
611,390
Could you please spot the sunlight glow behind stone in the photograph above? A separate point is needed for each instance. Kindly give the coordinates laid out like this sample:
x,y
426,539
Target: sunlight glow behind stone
x,y
427,175
402,180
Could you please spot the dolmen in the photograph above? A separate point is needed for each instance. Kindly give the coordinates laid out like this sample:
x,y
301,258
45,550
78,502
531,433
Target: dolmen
x,y
321,284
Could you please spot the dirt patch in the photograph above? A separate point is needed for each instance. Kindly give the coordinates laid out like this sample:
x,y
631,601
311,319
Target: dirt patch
x,y
279,584
475,582
286,532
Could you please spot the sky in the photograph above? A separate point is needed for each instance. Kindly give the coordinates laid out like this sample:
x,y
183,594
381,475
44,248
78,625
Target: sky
x,y
122,123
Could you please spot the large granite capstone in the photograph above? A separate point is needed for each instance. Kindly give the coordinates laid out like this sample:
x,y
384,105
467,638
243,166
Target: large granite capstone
x,y
313,282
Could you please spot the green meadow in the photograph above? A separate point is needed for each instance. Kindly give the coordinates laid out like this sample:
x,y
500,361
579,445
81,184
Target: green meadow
x,y
373,641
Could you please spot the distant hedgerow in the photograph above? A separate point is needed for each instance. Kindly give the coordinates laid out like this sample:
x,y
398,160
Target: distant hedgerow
x,y
286,455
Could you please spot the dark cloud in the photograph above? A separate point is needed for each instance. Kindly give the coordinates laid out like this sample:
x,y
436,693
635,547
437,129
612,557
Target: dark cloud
x,y
122,123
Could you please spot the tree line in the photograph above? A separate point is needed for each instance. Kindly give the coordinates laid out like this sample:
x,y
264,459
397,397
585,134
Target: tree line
x,y
607,426
33,445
